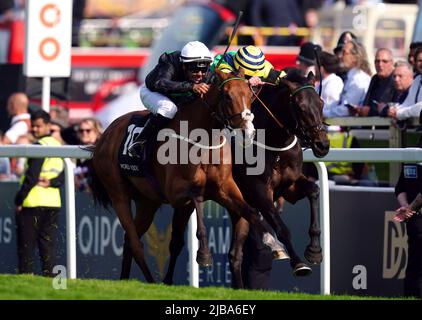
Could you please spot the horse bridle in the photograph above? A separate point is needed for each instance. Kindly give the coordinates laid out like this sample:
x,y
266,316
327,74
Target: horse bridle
x,y
305,132
221,116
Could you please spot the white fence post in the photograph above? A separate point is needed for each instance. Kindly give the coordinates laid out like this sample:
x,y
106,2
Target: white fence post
x,y
193,249
70,219
324,216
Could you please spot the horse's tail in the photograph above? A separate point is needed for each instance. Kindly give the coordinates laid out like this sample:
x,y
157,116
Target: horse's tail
x,y
98,190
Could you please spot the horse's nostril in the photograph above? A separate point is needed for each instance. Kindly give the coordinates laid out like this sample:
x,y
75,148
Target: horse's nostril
x,y
323,145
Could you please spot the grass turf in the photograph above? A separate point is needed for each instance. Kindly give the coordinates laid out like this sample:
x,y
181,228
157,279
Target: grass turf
x,y
41,288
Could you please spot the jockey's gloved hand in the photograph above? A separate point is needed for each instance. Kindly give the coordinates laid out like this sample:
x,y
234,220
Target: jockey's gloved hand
x,y
255,81
200,88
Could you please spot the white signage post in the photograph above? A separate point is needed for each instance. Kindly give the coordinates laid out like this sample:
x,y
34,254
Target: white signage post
x,y
48,42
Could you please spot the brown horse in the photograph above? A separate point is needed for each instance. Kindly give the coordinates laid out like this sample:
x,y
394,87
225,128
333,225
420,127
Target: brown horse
x,y
185,185
294,109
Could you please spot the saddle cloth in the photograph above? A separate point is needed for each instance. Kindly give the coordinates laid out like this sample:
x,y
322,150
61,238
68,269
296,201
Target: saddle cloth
x,y
132,165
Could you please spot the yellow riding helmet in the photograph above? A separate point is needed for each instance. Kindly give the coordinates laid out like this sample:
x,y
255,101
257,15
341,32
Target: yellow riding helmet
x,y
251,59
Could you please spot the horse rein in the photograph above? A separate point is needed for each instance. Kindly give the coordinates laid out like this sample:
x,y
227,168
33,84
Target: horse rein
x,y
292,94
266,108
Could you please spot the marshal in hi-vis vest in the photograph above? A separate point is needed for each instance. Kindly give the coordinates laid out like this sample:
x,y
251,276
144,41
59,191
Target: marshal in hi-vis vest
x,y
51,168
340,140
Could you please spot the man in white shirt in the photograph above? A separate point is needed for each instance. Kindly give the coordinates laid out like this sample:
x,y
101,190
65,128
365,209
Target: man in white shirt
x,y
412,106
332,85
17,107
354,60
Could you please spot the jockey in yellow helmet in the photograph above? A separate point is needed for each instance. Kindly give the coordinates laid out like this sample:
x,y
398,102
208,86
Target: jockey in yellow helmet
x,y
252,60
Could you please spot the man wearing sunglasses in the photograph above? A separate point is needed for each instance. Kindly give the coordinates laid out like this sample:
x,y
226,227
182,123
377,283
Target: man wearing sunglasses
x,y
177,78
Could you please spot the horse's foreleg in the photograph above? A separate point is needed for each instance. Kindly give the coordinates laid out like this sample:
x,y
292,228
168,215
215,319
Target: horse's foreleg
x,y
300,269
230,197
204,256
266,205
180,220
313,252
306,188
239,235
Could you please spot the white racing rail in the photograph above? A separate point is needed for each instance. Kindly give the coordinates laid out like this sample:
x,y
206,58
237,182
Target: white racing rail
x,y
335,155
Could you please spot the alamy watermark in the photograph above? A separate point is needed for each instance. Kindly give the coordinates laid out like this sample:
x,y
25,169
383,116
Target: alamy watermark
x,y
360,20
59,282
199,146
213,147
360,280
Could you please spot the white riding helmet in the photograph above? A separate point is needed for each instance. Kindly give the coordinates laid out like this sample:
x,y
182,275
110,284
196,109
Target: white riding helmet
x,y
195,51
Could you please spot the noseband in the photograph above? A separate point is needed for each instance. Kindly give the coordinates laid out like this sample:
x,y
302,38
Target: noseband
x,y
304,133
222,116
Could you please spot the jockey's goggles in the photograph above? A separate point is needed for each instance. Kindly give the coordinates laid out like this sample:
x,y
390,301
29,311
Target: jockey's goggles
x,y
197,67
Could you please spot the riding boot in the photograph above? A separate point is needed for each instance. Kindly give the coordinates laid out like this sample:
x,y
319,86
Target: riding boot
x,y
151,128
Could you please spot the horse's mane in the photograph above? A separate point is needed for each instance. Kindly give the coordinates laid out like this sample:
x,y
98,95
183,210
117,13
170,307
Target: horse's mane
x,y
294,75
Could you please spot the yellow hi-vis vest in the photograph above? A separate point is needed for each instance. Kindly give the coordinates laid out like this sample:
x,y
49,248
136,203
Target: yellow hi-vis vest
x,y
340,140
51,168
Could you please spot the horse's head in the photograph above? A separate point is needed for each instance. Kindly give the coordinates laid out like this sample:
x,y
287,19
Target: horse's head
x,y
234,105
306,113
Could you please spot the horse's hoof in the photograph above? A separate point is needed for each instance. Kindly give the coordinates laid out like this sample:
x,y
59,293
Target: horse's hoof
x,y
168,282
280,255
313,254
204,260
302,270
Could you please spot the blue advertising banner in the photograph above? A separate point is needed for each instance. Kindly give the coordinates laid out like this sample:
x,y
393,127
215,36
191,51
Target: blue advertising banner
x,y
368,248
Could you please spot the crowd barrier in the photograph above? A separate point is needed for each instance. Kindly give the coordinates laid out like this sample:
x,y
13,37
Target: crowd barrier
x,y
352,155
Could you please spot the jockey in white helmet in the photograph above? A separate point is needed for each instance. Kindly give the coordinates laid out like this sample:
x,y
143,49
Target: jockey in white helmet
x,y
177,78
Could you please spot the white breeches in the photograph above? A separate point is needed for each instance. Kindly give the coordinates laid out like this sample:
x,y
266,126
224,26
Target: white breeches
x,y
157,103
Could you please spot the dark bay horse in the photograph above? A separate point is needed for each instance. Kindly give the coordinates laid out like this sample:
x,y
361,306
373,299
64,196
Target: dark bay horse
x,y
185,185
294,111
288,127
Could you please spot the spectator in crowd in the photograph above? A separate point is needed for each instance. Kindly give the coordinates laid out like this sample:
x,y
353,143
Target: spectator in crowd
x,y
310,11
38,202
56,127
17,107
78,16
343,39
332,85
412,105
18,164
354,60
268,13
5,172
89,131
407,189
6,10
403,79
306,60
70,134
411,56
381,88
